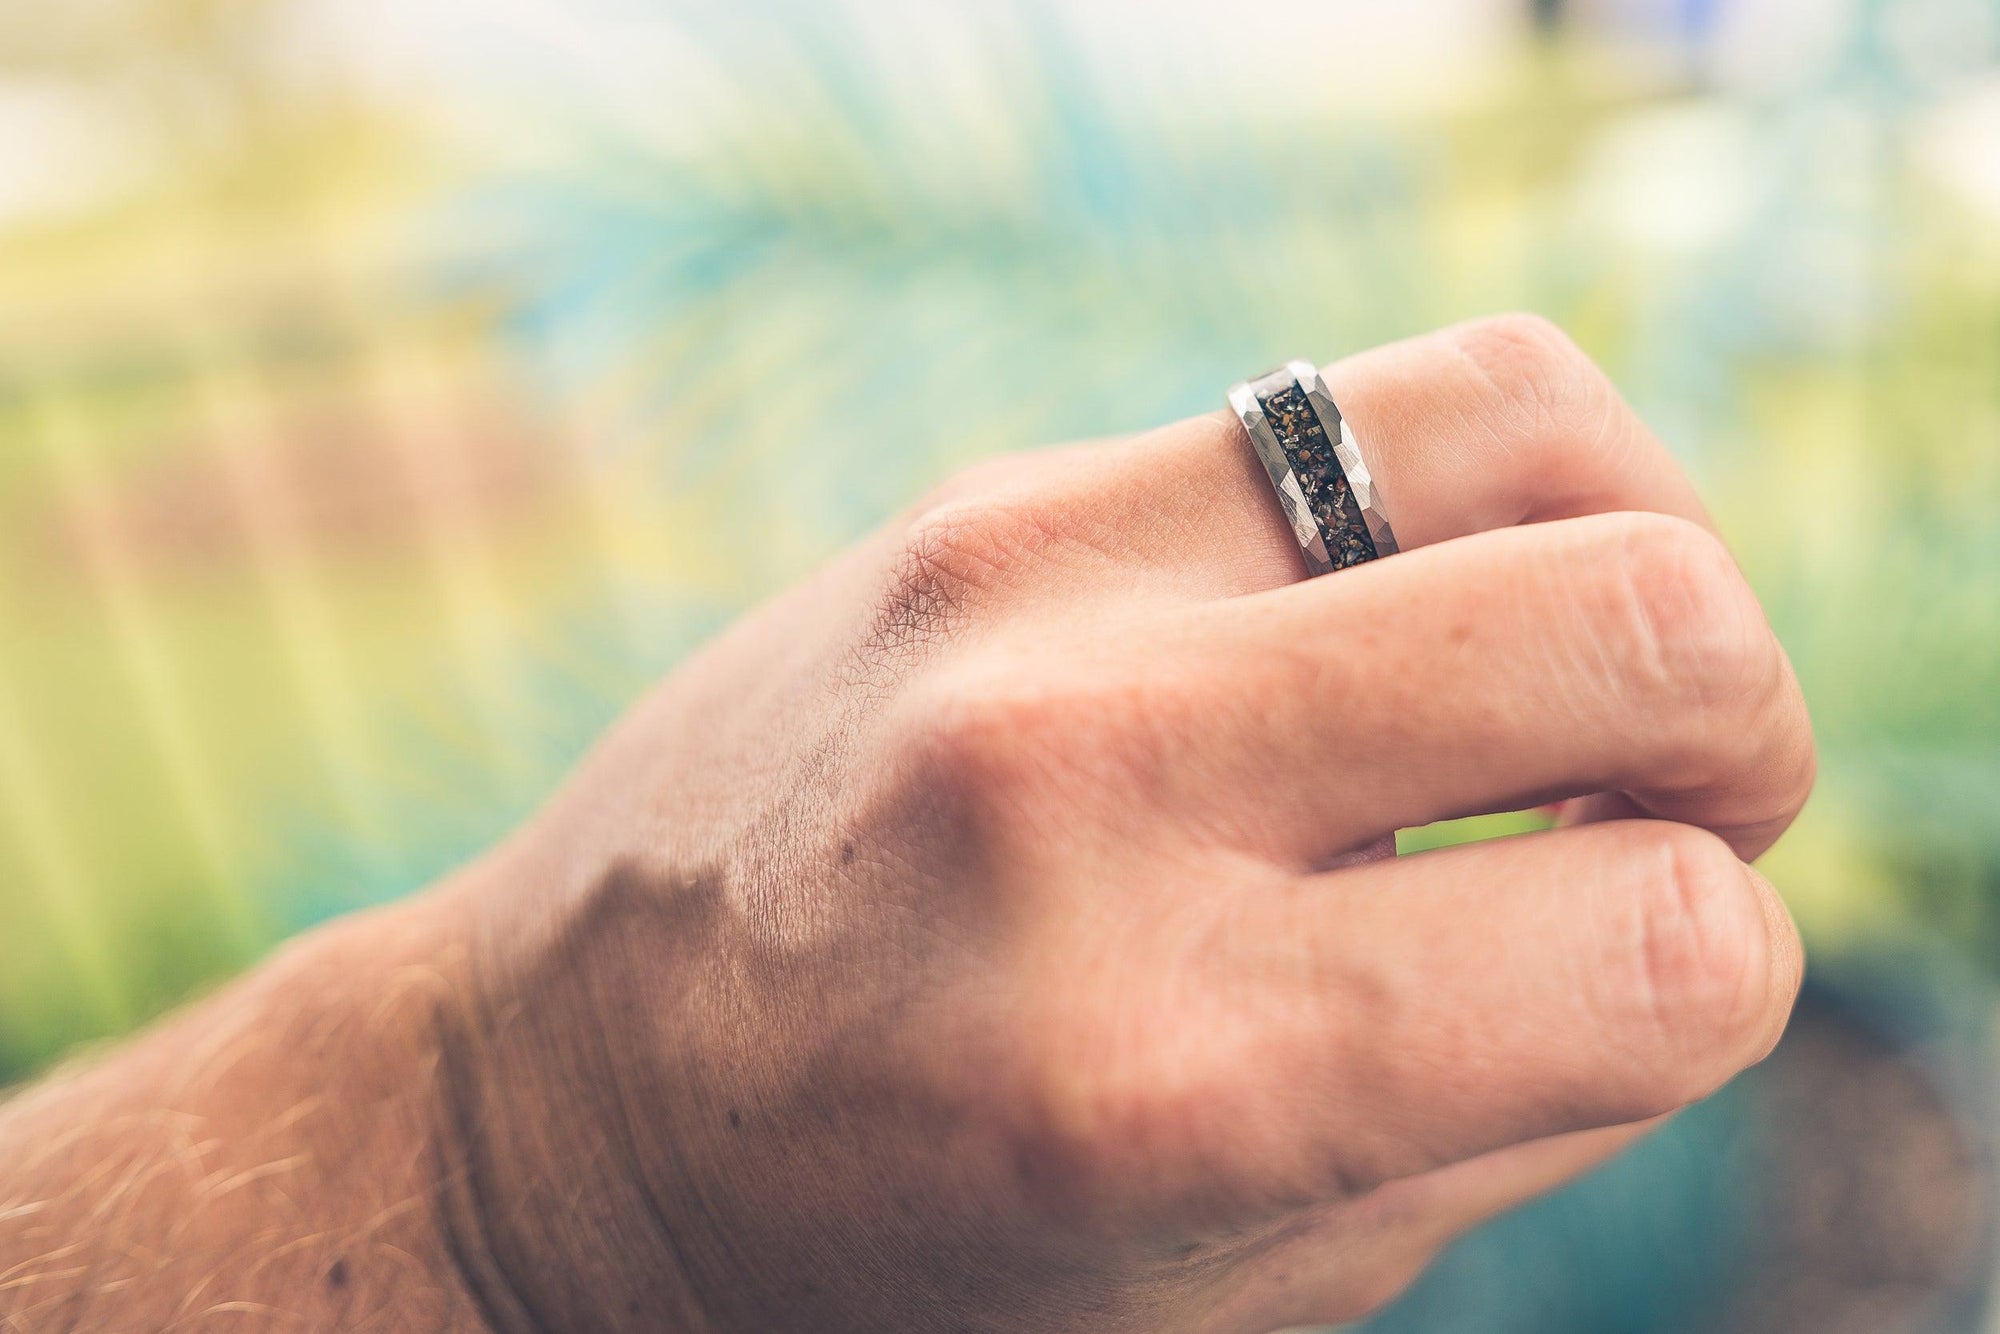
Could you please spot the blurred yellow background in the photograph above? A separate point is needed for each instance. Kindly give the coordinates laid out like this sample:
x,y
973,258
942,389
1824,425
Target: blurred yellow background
x,y
388,390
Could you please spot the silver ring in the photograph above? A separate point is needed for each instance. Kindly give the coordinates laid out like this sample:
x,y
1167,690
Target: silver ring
x,y
1309,451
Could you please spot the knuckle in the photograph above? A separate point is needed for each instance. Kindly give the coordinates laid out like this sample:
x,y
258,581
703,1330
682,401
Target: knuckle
x,y
953,556
1538,387
976,737
1134,1094
996,730
1802,758
1700,939
1007,711
1517,338
1783,753
1084,1111
982,477
1689,626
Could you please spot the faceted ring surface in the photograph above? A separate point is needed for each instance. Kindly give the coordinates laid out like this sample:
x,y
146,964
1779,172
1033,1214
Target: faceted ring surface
x,y
1309,452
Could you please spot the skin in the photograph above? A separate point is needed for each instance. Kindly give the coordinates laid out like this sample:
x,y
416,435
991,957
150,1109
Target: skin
x,y
995,931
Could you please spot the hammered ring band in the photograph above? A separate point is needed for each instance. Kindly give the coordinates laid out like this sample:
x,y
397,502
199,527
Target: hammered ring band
x,y
1309,452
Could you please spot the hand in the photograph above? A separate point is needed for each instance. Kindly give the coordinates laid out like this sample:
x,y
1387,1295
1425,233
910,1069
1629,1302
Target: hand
x,y
985,935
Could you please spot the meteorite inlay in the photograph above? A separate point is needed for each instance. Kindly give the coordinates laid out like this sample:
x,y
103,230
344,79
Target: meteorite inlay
x,y
1318,473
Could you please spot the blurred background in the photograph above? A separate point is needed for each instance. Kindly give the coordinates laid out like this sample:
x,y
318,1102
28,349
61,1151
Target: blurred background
x,y
389,389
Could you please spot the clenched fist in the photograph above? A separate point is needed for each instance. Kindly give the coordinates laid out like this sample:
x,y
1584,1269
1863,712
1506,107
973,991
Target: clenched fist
x,y
1000,932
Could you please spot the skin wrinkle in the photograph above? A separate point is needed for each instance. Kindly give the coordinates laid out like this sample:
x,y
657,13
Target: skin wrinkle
x,y
626,1140
463,1200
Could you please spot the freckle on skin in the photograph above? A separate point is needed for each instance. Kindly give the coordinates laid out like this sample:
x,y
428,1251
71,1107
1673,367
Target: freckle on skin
x,y
336,1274
735,1119
846,853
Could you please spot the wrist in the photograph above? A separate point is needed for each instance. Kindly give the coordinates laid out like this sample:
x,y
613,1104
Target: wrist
x,y
271,1148
559,1202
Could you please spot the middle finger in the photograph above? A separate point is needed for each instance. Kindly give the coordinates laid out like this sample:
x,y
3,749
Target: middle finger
x,y
1611,653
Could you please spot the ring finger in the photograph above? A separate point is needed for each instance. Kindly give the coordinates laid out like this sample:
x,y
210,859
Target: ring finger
x,y
1480,426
